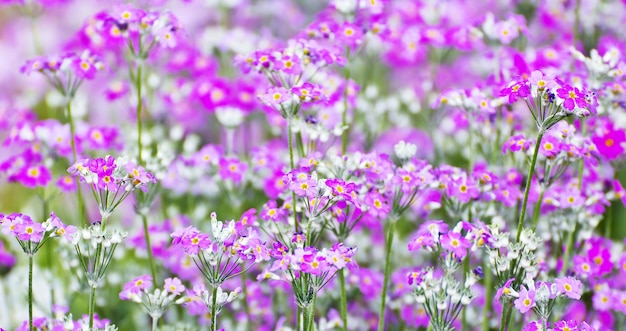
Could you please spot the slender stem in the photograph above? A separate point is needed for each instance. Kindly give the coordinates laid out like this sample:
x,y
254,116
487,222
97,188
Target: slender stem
x,y
488,299
214,310
577,22
155,322
146,233
246,306
139,106
81,201
608,222
343,309
531,170
30,292
388,246
292,164
569,247
538,208
92,304
344,114
92,293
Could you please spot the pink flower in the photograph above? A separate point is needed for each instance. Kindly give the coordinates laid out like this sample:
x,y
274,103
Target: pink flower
x,y
29,231
174,286
455,243
377,204
525,301
569,286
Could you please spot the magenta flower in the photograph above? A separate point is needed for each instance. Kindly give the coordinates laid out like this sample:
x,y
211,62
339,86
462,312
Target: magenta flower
x,y
32,176
525,301
517,90
456,244
572,97
609,142
569,286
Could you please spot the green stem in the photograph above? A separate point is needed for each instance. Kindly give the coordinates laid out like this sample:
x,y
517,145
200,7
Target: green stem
x,y
538,209
343,309
146,233
298,319
531,170
246,306
388,246
214,310
139,106
292,164
506,316
155,322
92,304
488,299
577,22
92,293
311,325
81,201
569,247
608,222
30,293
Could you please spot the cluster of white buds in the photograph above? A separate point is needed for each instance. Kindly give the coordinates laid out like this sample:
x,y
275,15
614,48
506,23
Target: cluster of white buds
x,y
601,68
444,297
221,298
94,248
514,260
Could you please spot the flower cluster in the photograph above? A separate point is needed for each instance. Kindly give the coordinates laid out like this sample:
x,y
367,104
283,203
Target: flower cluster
x,y
32,235
157,302
111,180
66,72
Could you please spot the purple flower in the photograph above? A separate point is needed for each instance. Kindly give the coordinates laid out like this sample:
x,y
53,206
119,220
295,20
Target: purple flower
x,y
525,301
